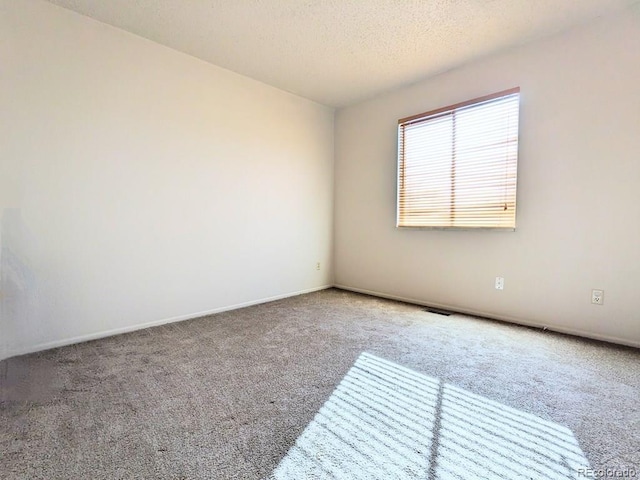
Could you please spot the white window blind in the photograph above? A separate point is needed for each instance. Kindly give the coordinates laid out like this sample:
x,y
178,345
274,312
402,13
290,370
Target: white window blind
x,y
457,166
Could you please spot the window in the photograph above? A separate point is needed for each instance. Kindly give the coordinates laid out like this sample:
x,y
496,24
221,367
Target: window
x,y
457,166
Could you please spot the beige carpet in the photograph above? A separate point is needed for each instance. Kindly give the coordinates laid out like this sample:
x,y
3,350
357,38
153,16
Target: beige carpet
x,y
329,385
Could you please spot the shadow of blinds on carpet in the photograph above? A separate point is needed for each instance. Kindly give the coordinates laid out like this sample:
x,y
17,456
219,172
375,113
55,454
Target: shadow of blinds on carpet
x,y
386,421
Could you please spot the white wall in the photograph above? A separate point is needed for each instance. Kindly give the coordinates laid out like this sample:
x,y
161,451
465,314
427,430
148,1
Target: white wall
x,y
578,192
138,184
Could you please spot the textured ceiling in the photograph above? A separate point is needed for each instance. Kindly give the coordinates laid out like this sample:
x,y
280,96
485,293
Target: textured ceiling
x,y
338,52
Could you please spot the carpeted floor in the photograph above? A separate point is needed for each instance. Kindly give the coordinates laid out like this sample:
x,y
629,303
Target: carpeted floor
x,y
326,385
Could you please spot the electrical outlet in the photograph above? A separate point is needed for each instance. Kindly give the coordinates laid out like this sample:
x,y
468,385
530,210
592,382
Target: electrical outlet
x,y
318,266
499,283
597,297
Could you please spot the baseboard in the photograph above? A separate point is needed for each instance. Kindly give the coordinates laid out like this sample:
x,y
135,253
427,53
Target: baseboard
x,y
493,316
117,331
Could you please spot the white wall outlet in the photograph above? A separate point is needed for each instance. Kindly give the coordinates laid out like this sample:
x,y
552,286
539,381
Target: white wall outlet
x,y
597,297
318,266
499,283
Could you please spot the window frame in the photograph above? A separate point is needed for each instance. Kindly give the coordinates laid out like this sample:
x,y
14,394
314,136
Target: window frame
x,y
442,111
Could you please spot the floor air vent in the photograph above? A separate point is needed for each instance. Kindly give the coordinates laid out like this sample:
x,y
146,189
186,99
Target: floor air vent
x,y
437,311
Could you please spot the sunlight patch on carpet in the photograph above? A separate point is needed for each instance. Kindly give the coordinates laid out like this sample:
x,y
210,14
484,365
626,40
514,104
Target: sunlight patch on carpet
x,y
387,421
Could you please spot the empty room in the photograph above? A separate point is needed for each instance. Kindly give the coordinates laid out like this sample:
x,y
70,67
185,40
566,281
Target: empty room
x,y
317,239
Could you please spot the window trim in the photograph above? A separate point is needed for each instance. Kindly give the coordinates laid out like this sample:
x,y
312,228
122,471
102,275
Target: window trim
x,y
433,114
